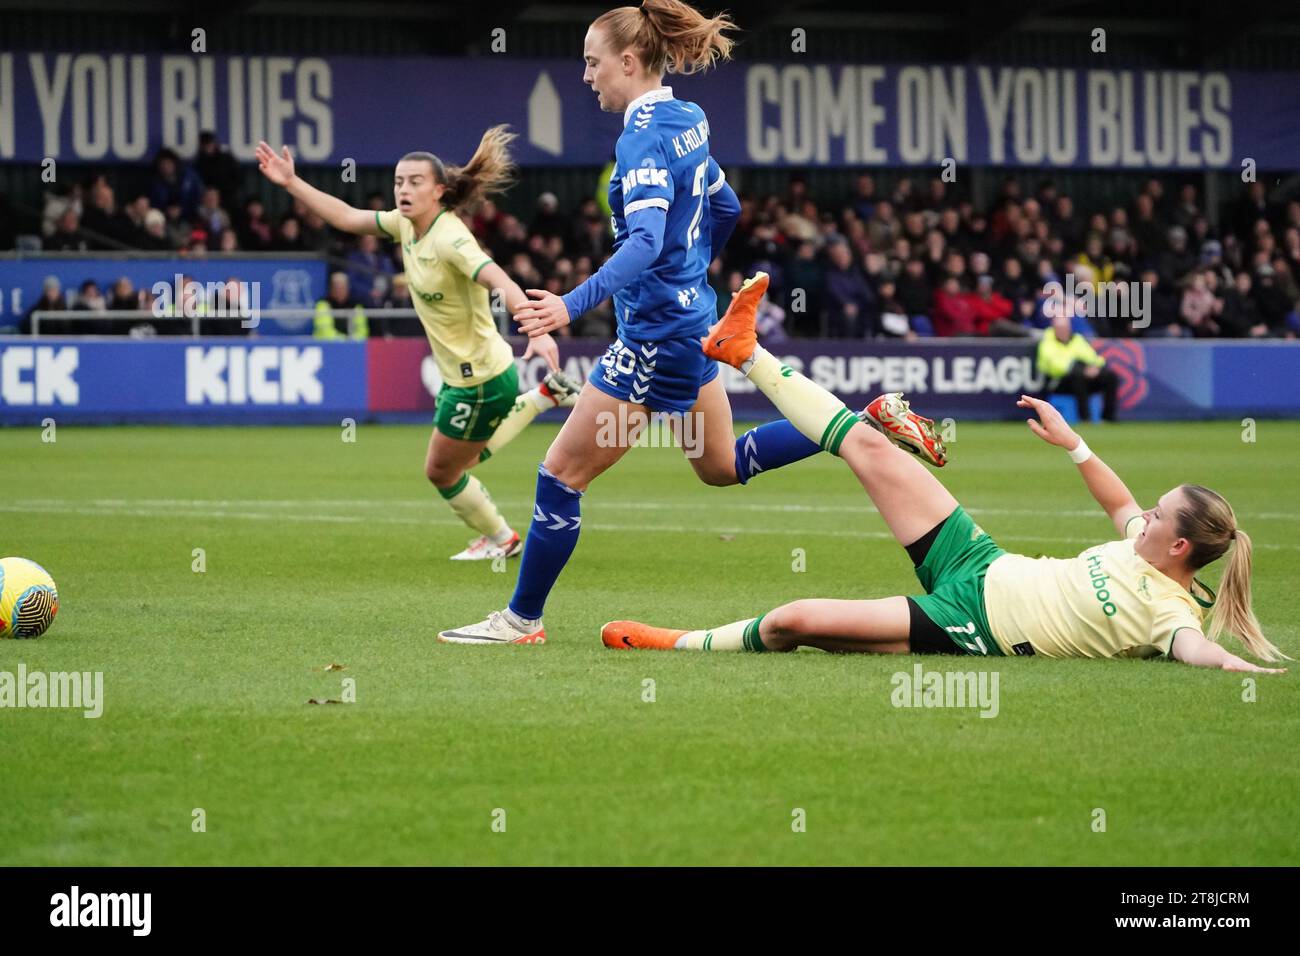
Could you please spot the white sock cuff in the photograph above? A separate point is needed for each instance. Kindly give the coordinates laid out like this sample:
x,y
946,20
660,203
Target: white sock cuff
x,y
747,365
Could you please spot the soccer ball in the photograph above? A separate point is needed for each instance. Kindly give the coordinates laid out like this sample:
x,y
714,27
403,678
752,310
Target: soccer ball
x,y
28,599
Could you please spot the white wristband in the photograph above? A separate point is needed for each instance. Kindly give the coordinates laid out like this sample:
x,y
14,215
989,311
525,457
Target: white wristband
x,y
1081,452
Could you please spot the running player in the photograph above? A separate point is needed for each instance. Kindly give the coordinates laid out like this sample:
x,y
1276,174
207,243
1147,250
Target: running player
x,y
1134,597
672,209
479,406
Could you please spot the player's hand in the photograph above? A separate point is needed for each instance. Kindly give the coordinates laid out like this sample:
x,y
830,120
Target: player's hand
x,y
545,312
544,346
1050,427
277,167
1235,663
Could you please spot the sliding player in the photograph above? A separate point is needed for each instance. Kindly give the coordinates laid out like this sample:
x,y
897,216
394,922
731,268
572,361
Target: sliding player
x,y
1135,597
479,406
672,211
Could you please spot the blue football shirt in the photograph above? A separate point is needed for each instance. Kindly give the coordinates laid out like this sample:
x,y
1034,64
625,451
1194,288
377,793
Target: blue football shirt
x,y
662,161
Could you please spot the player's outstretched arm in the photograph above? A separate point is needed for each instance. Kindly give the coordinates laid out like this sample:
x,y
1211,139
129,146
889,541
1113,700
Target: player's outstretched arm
x,y
278,167
495,279
1192,647
546,311
1105,486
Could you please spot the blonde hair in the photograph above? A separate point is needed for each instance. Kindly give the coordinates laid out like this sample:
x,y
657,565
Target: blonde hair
x,y
1207,521
668,35
489,171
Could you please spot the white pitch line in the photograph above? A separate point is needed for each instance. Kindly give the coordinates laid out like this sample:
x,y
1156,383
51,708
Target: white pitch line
x,y
50,507
652,505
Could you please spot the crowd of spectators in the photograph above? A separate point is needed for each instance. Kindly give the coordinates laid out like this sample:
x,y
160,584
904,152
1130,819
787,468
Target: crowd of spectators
x,y
187,208
913,261
918,262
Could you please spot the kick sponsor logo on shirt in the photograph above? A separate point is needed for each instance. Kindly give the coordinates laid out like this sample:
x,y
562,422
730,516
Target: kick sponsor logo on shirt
x,y
645,175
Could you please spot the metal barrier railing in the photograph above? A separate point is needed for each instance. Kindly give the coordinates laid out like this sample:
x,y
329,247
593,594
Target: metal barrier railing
x,y
196,319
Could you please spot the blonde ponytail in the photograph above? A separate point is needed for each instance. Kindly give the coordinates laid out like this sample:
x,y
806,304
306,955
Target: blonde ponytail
x,y
489,171
1232,612
668,35
1209,524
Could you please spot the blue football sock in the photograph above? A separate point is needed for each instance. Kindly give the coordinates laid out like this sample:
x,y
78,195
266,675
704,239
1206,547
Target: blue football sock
x,y
771,446
551,539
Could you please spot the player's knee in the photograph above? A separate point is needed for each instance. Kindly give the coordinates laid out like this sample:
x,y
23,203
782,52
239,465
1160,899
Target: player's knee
x,y
718,475
784,626
566,473
441,474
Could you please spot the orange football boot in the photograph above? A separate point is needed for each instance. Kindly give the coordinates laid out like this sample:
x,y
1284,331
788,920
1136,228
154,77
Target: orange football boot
x,y
625,635
733,339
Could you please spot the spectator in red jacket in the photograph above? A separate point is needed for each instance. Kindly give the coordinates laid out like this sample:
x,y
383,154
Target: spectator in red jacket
x,y
954,310
994,313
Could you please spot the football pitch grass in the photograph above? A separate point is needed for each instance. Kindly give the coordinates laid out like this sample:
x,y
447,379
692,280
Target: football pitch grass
x,y
320,552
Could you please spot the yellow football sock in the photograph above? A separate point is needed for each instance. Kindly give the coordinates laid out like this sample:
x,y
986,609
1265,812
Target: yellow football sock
x,y
472,504
809,407
736,636
527,407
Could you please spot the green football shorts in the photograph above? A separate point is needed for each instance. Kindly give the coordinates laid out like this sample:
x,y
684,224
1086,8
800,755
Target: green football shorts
x,y
473,413
953,577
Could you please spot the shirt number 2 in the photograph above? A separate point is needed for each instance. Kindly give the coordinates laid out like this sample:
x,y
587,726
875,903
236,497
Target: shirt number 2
x,y
697,189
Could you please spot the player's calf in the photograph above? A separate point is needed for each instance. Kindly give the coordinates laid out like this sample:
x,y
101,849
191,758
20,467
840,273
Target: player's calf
x,y
866,443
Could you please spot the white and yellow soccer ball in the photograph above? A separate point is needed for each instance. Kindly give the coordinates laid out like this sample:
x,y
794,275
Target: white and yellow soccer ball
x,y
28,599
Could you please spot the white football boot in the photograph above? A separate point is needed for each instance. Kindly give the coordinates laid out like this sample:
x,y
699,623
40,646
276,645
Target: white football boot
x,y
501,627
561,389
482,549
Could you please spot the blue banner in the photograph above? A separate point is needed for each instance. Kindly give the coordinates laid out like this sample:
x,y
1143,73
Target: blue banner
x,y
91,107
301,380
199,380
273,283
1159,379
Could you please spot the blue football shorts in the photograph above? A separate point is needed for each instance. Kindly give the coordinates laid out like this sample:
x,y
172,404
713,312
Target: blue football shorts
x,y
664,375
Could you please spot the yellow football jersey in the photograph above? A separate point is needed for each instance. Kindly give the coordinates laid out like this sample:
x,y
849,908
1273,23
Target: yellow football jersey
x,y
441,268
1107,602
